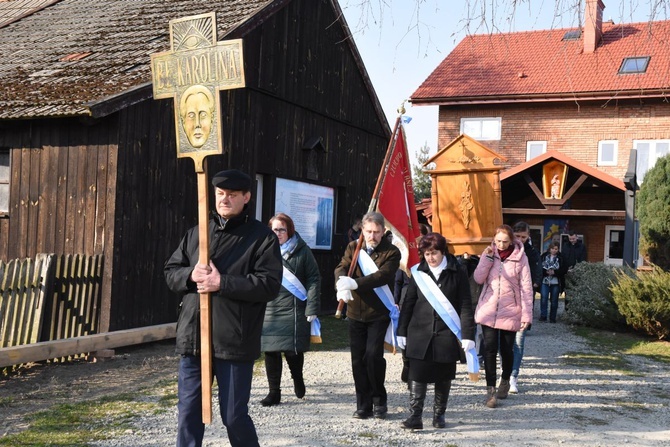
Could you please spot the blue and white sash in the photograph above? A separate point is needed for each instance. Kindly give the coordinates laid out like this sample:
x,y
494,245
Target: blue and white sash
x,y
369,267
293,285
446,311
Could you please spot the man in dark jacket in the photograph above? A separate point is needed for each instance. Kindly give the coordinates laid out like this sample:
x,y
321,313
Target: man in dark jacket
x,y
573,253
522,232
367,314
244,273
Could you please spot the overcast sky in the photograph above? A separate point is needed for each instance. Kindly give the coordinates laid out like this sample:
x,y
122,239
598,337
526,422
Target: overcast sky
x,y
401,45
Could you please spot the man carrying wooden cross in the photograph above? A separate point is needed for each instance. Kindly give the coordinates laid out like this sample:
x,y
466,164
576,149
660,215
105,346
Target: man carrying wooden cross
x,y
243,275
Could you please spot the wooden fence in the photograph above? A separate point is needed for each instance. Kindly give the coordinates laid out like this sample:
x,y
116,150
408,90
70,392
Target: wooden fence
x,y
49,298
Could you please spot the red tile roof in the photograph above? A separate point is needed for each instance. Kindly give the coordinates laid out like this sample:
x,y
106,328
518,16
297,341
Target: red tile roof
x,y
540,66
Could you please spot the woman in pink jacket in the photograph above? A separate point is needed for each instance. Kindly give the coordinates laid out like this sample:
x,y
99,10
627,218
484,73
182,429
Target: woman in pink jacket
x,y
505,305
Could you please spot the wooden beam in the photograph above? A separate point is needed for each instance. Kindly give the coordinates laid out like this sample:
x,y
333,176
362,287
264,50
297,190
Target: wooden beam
x,y
616,214
575,186
533,187
36,352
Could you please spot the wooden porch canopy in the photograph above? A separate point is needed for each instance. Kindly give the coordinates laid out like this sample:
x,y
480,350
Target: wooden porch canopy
x,y
577,189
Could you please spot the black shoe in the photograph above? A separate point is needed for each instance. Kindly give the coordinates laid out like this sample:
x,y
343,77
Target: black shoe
x,y
412,423
439,421
543,318
552,321
380,411
273,398
362,414
299,388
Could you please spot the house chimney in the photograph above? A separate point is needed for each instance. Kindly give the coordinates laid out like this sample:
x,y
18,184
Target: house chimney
x,y
593,24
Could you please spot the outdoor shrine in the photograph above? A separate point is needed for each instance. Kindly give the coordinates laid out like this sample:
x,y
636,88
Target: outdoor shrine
x,y
466,197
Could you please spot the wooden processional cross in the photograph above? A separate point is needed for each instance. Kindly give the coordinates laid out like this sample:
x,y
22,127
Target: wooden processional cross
x,y
193,72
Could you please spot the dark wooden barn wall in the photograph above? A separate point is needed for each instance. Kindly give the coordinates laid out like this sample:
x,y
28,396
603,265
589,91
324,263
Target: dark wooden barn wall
x,y
60,184
303,82
156,202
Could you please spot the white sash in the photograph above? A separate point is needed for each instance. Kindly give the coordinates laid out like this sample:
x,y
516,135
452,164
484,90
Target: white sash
x,y
369,267
293,285
446,311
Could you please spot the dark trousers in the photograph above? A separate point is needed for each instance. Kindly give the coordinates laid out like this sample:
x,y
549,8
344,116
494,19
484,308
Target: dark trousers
x,y
498,340
367,362
273,367
234,380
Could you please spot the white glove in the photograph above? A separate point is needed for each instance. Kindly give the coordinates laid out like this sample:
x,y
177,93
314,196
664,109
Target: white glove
x,y
344,295
402,341
311,318
467,344
346,283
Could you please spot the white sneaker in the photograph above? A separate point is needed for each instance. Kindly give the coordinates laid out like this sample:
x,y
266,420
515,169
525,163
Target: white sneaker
x,y
512,385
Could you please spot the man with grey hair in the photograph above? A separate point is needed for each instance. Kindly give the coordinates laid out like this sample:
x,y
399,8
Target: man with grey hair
x,y
368,313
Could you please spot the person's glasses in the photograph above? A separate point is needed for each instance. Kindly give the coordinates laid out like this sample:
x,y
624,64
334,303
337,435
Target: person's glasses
x,y
279,230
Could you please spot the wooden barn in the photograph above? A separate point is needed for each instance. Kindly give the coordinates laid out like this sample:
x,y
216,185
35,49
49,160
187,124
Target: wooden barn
x,y
88,158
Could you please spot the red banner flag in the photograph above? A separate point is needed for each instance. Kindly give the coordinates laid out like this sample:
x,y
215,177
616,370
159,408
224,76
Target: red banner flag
x,y
396,202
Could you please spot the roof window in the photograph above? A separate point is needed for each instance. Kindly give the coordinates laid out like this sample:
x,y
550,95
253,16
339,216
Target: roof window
x,y
634,65
574,34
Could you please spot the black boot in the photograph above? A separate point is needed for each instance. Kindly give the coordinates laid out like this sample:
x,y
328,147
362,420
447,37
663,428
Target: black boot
x,y
379,408
404,374
441,397
273,369
417,395
273,398
295,363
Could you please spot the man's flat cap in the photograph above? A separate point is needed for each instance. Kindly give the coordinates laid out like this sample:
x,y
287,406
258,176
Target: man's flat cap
x,y
232,179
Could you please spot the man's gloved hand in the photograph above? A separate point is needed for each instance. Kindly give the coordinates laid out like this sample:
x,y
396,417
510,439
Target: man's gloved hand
x,y
344,295
467,344
402,341
346,283
311,318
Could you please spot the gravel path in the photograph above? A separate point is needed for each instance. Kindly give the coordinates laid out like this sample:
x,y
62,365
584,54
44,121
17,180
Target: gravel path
x,y
558,404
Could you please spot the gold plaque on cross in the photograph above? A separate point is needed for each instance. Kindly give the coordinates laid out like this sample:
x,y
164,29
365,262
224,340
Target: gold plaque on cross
x,y
193,72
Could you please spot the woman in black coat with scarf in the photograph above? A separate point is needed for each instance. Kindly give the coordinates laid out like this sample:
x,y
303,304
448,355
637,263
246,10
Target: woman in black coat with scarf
x,y
431,347
286,328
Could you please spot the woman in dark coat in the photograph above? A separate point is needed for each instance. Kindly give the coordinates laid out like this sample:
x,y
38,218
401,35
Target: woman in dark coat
x,y
431,347
288,318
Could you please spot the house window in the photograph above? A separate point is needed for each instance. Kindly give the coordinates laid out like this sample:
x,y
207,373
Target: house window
x,y
648,151
535,148
607,152
634,65
481,128
4,180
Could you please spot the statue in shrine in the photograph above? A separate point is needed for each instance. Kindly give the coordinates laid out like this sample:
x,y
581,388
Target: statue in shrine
x,y
555,187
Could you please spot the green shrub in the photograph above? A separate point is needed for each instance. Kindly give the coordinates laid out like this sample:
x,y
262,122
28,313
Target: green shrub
x,y
587,287
644,300
653,212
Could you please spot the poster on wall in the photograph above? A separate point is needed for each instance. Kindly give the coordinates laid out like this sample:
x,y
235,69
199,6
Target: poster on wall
x,y
311,207
552,232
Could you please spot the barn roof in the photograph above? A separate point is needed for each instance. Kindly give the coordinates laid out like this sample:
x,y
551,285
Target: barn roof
x,y
92,57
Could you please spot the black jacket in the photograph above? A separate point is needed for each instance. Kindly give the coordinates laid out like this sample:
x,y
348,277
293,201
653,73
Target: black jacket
x,y
422,325
246,253
366,305
534,263
573,254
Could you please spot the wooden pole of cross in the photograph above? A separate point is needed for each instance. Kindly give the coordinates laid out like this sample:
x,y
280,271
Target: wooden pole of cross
x,y
193,72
